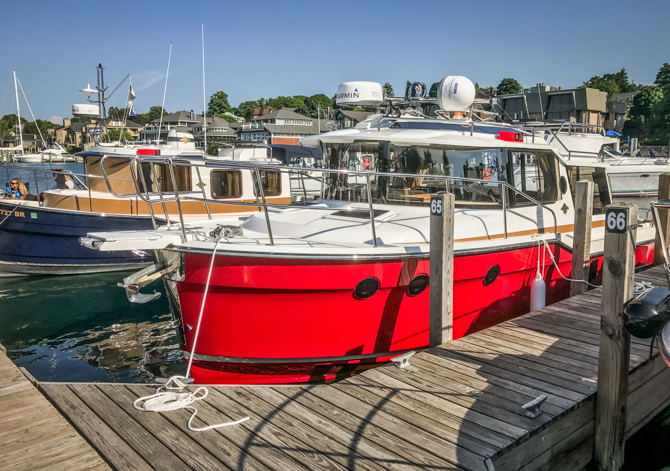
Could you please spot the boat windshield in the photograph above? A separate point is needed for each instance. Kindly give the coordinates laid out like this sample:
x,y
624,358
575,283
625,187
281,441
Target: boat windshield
x,y
532,173
610,153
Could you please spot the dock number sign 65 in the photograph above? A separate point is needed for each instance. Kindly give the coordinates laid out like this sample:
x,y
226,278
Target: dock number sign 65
x,y
436,208
617,220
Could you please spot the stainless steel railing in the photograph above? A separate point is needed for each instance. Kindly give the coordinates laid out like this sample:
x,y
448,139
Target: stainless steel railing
x,y
261,202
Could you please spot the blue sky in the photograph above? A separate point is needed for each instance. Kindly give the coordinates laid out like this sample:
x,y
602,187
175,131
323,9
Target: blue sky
x,y
269,48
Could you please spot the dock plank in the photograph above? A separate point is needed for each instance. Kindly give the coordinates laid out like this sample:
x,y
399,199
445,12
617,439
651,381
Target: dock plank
x,y
358,444
456,407
136,436
303,435
250,451
161,430
97,432
32,432
217,443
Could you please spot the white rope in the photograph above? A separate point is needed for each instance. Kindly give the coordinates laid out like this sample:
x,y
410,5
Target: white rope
x,y
541,241
639,287
167,397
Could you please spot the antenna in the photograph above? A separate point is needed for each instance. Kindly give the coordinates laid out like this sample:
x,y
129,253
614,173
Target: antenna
x,y
160,124
204,97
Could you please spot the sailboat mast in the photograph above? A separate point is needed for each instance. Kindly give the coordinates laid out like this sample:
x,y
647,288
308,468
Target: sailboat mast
x,y
18,111
204,96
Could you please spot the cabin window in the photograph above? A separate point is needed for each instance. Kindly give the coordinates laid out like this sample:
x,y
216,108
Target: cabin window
x,y
271,183
601,192
160,179
226,184
476,173
534,173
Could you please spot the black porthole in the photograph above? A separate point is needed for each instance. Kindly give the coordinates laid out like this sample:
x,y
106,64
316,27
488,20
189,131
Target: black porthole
x,y
563,185
366,288
417,285
491,275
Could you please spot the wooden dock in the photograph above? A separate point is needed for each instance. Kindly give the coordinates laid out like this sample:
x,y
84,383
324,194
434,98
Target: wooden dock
x,y
457,406
32,432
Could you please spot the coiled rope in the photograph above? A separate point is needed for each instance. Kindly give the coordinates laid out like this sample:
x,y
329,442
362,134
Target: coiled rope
x,y
167,397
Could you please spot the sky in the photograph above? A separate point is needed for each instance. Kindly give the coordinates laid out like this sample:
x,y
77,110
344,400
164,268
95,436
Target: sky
x,y
262,48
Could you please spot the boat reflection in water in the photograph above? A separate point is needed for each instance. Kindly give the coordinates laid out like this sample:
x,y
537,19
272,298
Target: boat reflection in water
x,y
82,328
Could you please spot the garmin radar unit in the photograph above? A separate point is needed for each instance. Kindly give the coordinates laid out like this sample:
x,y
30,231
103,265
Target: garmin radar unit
x,y
359,94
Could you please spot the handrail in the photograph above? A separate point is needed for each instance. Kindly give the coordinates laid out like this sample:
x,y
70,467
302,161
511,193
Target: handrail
x,y
255,169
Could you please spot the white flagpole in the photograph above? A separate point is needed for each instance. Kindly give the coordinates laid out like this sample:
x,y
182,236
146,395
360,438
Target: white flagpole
x,y
18,111
160,125
129,103
204,98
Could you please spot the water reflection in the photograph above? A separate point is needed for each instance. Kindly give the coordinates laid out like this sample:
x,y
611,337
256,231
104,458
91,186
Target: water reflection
x,y
82,328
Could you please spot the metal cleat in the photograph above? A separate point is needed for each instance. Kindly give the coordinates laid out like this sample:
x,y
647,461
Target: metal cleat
x,y
533,408
226,231
402,361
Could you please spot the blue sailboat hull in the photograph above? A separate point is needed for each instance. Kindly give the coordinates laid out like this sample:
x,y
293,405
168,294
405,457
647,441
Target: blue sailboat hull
x,y
43,241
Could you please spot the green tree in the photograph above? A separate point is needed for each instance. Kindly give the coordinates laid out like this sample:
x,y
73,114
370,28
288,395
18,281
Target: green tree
x,y
509,86
433,89
608,86
115,134
387,90
663,76
213,148
155,113
246,107
660,125
315,102
8,122
645,101
286,102
32,127
230,119
218,104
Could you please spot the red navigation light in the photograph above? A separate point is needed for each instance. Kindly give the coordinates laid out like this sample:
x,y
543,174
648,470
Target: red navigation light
x,y
510,136
148,152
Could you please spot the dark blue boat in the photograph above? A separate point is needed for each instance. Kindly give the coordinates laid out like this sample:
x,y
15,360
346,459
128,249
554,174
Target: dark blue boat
x,y
35,240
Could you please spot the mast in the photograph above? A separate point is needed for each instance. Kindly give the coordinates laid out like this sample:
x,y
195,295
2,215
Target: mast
x,y
204,97
18,111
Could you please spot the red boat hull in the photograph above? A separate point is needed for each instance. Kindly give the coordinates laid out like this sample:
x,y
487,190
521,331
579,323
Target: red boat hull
x,y
269,320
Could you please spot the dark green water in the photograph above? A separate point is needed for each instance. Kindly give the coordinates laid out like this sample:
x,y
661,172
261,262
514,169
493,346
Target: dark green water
x,y
82,328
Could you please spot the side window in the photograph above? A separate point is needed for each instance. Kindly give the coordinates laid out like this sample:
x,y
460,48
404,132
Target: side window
x,y
535,175
271,183
601,193
226,184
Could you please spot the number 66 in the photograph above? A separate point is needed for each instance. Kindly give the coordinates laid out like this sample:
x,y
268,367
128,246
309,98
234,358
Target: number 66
x,y
616,221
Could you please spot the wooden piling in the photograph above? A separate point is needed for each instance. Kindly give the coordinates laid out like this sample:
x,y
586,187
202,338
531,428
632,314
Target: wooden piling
x,y
614,356
663,217
441,268
581,242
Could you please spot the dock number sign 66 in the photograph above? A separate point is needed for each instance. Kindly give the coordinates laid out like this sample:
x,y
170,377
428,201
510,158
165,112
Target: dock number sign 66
x,y
436,208
616,220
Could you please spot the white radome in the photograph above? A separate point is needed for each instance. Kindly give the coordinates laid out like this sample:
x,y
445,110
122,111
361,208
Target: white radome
x,y
455,93
359,94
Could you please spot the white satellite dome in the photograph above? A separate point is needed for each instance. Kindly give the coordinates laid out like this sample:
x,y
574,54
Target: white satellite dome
x,y
359,94
455,93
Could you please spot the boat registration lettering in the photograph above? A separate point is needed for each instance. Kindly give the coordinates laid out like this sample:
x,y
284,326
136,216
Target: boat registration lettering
x,y
18,214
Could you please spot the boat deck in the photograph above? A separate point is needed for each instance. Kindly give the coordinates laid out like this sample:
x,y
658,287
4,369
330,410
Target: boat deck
x,y
457,406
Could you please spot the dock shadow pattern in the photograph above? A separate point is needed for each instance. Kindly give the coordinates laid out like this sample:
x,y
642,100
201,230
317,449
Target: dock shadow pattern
x,y
456,407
